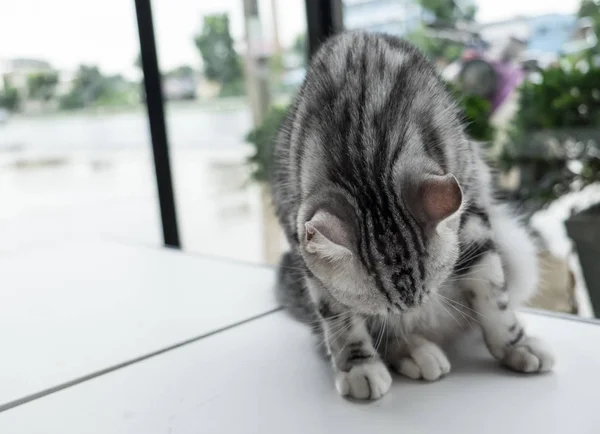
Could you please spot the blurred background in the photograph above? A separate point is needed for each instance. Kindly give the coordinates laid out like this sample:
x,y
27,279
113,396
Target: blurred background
x,y
76,153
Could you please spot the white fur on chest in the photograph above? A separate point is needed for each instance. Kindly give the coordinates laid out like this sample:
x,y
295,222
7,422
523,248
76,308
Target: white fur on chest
x,y
441,318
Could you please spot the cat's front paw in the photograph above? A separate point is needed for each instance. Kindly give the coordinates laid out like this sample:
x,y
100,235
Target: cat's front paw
x,y
426,361
529,355
366,381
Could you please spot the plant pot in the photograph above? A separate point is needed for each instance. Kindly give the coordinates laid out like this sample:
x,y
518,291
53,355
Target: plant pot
x,y
584,230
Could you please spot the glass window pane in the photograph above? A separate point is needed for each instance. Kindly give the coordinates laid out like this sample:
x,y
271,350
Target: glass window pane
x,y
74,142
211,89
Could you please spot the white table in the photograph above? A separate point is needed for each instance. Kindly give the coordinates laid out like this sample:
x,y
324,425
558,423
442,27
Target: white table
x,y
264,376
71,311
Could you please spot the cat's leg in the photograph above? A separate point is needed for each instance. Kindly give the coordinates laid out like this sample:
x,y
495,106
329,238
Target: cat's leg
x,y
488,292
360,373
418,358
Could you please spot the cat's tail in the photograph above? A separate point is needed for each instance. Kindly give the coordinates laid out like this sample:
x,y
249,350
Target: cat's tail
x,y
291,291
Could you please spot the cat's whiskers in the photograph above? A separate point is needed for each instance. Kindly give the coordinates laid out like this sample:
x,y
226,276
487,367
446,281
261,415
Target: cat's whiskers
x,y
459,304
463,314
379,337
350,339
447,311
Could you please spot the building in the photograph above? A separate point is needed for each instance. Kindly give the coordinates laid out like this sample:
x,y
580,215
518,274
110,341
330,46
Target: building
x,y
397,17
546,36
14,72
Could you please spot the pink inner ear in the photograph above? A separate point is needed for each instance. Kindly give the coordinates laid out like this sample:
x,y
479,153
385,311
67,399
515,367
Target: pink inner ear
x,y
310,231
440,197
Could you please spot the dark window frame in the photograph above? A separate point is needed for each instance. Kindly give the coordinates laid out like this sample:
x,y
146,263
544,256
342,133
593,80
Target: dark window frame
x,y
324,19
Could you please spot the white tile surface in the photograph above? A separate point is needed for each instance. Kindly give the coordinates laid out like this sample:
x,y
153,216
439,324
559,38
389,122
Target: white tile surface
x,y
264,377
68,311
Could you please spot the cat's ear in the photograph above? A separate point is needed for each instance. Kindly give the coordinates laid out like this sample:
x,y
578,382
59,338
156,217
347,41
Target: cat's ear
x,y
438,197
327,236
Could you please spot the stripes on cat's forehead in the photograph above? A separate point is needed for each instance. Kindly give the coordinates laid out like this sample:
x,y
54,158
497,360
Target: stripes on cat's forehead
x,y
363,118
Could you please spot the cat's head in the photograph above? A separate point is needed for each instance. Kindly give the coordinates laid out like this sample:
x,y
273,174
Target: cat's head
x,y
375,141
378,249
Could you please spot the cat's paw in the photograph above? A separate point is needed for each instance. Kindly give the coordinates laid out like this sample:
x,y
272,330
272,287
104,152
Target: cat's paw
x,y
530,355
367,381
426,361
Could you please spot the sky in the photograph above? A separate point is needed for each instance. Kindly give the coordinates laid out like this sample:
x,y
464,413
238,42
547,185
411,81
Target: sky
x,y
71,32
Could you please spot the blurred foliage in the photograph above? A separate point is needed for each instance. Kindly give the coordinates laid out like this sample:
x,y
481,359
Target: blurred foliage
x,y
92,88
9,97
476,116
221,62
443,13
448,12
300,48
435,48
42,85
235,88
87,87
591,9
263,138
555,133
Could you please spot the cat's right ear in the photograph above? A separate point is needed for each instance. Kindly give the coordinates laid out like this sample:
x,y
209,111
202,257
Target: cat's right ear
x,y
440,196
326,236
435,198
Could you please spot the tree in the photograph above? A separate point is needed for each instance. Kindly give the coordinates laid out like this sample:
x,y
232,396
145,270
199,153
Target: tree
x,y
9,97
591,9
300,48
448,12
445,13
221,62
42,85
88,86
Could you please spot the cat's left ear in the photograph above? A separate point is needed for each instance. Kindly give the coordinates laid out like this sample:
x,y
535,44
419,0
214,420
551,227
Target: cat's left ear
x,y
437,198
326,236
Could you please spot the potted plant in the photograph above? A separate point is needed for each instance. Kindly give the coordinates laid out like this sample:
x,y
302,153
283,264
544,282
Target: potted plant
x,y
555,135
554,143
262,139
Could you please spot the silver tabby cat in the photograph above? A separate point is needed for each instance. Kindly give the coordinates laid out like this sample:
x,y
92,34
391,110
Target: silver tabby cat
x,y
388,209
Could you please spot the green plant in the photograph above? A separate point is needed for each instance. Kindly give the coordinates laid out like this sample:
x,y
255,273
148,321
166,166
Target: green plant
x,y
9,97
435,48
555,133
215,43
235,88
477,116
42,85
475,113
591,9
263,137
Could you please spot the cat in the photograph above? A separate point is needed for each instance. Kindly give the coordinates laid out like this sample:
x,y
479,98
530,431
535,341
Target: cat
x,y
396,240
